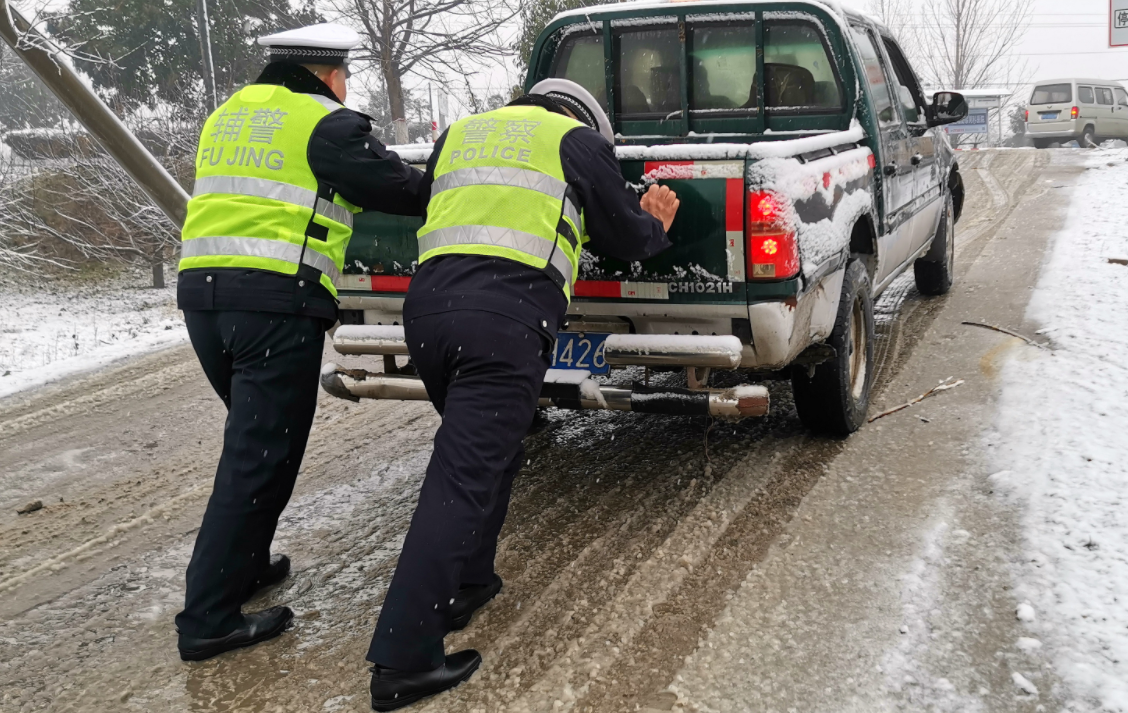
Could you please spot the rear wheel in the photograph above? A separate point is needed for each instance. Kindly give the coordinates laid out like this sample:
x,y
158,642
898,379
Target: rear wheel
x,y
833,397
1041,144
1088,137
935,271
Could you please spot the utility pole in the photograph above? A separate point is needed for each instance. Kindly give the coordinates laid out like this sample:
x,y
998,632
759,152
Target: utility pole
x,y
442,102
210,95
431,113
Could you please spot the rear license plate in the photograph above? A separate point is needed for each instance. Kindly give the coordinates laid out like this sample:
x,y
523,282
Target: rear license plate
x,y
580,350
1049,115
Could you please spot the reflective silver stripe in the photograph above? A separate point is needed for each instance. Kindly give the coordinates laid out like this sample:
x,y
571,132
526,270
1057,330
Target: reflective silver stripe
x,y
572,214
501,176
509,176
257,187
258,247
272,190
492,236
332,211
560,261
326,102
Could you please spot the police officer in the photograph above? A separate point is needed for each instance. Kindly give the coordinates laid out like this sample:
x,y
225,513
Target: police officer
x,y
281,170
514,194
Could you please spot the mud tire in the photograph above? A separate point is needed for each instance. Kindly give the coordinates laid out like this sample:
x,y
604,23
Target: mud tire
x,y
834,399
935,277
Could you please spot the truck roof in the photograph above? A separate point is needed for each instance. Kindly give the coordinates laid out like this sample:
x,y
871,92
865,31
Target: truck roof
x,y
831,6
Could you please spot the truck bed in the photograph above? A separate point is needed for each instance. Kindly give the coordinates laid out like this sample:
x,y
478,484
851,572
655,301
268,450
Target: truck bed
x,y
704,275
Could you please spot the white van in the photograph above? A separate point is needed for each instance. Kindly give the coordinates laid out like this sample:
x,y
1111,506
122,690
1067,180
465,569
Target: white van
x,y
1088,110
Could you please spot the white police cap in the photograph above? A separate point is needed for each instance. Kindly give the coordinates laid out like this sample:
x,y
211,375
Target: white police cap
x,y
326,43
579,101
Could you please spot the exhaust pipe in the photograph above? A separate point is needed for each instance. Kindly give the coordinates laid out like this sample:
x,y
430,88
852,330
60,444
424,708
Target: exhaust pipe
x,y
737,402
357,384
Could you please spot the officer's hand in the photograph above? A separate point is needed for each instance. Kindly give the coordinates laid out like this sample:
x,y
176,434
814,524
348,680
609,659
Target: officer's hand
x,y
662,203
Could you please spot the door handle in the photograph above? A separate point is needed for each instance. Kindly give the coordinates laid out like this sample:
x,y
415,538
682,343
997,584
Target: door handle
x,y
890,169
916,159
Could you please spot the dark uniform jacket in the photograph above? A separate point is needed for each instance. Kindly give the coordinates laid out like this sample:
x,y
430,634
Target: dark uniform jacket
x,y
617,225
345,157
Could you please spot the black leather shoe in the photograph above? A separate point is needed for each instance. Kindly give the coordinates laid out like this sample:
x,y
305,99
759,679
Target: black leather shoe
x,y
277,570
469,600
393,689
256,627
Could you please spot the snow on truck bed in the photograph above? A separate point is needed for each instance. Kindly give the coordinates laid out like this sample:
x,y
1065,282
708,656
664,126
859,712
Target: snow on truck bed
x,y
768,148
756,150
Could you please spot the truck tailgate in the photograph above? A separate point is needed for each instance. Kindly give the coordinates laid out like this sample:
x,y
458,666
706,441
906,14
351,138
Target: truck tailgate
x,y
704,266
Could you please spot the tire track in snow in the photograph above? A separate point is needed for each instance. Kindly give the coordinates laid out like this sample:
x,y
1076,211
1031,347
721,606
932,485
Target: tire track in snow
x,y
894,311
543,612
652,584
151,374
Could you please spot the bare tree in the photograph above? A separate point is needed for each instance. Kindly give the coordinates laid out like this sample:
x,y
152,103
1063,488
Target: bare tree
x,y
965,44
70,200
895,15
427,38
14,252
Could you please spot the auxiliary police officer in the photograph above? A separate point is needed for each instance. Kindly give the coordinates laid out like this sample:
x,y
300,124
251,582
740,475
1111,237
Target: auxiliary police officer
x,y
514,194
281,170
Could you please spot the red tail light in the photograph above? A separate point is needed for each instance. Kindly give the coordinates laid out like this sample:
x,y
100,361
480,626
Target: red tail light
x,y
1074,113
1027,116
773,253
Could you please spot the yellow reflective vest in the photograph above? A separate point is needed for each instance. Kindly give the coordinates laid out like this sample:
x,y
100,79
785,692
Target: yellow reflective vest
x,y
499,190
256,202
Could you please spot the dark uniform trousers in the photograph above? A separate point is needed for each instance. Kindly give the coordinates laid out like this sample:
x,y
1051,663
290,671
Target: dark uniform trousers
x,y
483,373
265,367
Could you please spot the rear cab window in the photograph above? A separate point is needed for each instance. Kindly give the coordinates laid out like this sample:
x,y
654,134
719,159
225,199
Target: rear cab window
x,y
1052,94
648,71
1104,96
580,59
800,74
723,68
668,75
797,64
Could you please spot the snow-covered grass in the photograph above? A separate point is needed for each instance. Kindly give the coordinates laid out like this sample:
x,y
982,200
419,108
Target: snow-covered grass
x,y
59,324
1063,432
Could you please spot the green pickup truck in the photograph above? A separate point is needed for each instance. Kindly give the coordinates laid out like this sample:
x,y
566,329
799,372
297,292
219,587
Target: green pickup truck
x,y
811,175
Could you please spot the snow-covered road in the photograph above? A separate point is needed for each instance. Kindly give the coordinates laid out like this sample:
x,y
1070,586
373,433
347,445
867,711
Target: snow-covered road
x,y
904,580
771,571
1063,445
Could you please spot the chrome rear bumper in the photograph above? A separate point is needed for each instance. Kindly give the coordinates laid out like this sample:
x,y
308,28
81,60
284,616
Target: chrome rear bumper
x,y
620,349
574,391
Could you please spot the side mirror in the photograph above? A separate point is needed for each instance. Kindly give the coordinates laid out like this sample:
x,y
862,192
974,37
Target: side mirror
x,y
947,108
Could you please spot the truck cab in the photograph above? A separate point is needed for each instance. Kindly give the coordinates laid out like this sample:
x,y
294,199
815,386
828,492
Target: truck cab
x,y
811,174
